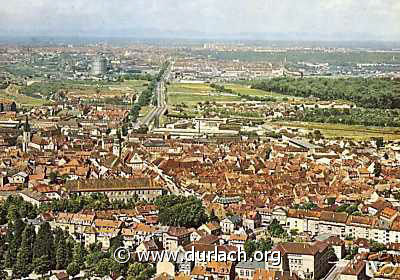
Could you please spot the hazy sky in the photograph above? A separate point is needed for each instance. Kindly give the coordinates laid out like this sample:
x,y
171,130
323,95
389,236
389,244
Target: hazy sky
x,y
379,18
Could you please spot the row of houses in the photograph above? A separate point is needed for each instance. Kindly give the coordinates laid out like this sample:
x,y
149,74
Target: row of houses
x,y
384,227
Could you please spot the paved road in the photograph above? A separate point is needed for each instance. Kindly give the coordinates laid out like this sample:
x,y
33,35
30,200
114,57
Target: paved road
x,y
161,101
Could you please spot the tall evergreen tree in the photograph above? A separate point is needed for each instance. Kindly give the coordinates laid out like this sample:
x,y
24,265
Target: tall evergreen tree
x,y
44,244
79,254
58,236
23,266
41,265
73,269
14,236
70,250
61,255
3,273
10,255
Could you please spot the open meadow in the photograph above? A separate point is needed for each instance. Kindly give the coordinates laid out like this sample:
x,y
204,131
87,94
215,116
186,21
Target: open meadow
x,y
191,94
356,132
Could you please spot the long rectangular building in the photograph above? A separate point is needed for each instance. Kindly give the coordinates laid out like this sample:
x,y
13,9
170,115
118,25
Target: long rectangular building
x,y
119,189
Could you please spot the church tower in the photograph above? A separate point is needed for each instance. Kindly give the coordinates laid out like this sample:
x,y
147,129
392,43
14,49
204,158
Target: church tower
x,y
26,135
117,145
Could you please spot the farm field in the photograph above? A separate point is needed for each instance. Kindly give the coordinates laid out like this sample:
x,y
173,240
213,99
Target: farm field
x,y
245,89
192,99
191,94
20,99
355,132
85,88
189,88
108,90
137,85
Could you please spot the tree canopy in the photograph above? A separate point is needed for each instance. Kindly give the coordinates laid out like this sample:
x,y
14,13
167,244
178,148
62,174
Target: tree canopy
x,y
367,93
181,211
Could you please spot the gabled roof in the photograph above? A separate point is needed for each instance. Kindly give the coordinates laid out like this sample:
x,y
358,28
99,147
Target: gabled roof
x,y
330,216
178,231
302,248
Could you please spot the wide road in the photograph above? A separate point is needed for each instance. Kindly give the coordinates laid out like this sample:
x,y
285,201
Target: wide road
x,y
161,107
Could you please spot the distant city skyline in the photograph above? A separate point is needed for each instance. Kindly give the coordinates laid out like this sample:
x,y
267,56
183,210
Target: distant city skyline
x,y
253,19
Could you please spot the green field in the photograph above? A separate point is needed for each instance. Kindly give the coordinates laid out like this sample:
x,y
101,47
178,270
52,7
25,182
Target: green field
x,y
189,88
355,132
138,85
244,89
86,89
112,89
192,99
191,94
22,100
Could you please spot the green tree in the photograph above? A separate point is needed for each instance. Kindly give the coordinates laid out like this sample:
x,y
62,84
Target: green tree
x,y
213,217
139,271
73,269
342,208
44,245
94,255
70,243
22,267
181,211
275,229
376,246
352,209
61,255
377,169
263,245
294,232
3,274
331,200
116,243
107,267
249,247
79,254
23,263
41,265
13,237
53,176
380,142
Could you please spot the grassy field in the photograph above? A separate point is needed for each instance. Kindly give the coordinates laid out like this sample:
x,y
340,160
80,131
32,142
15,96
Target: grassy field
x,y
137,85
239,88
189,88
22,100
191,94
192,99
244,89
108,90
75,88
355,132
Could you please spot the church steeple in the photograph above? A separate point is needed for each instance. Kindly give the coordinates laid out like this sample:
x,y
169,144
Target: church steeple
x,y
26,135
27,127
117,146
